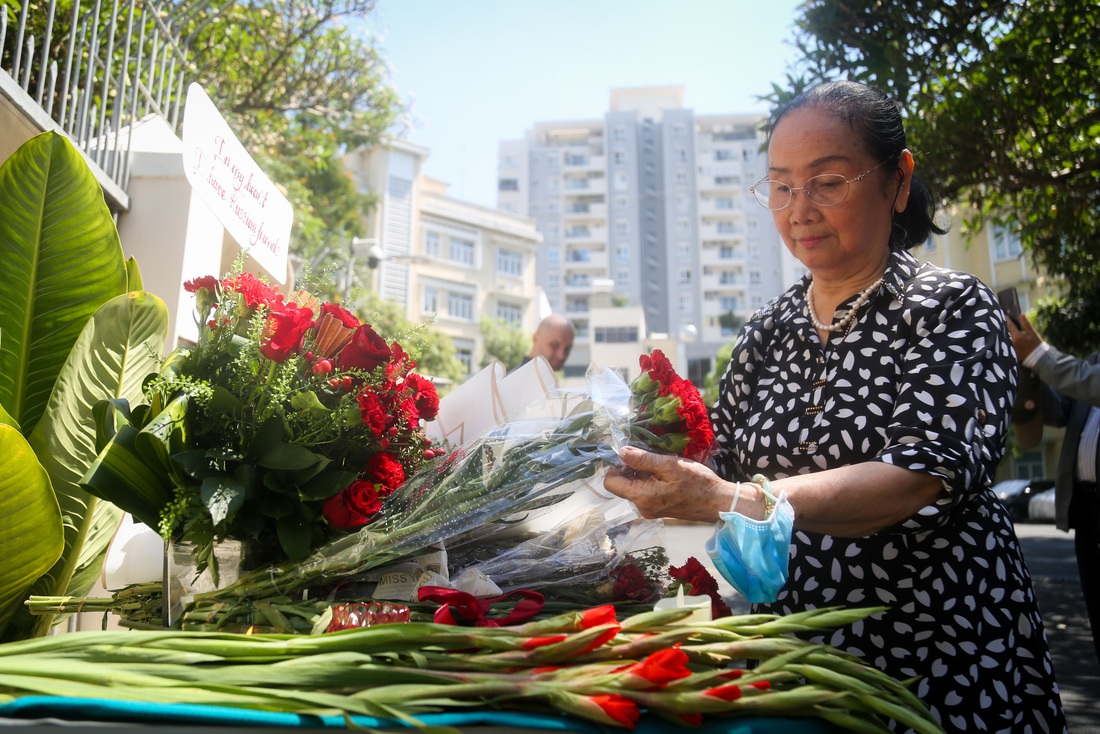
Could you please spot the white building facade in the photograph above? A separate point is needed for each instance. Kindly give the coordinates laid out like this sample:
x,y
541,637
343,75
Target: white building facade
x,y
444,259
654,198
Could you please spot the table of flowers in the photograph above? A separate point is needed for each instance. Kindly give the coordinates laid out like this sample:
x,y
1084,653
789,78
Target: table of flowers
x,y
333,556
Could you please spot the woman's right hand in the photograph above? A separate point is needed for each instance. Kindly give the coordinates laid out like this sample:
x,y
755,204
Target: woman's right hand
x,y
674,487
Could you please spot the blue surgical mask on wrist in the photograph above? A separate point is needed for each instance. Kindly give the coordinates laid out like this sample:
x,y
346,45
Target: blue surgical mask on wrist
x,y
752,554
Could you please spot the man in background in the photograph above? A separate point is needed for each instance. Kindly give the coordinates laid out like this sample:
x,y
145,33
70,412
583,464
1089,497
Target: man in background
x,y
553,341
1069,397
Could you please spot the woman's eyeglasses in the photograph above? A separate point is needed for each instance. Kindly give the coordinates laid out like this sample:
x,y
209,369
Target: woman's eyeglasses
x,y
826,189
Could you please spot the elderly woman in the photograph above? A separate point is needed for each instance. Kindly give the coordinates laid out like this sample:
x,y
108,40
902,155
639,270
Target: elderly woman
x,y
875,395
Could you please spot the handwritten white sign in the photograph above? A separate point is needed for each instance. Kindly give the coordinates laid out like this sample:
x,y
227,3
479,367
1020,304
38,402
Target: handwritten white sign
x,y
242,197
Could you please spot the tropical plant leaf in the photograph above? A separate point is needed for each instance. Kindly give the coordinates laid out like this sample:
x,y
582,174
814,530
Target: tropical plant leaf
x,y
31,539
121,345
54,217
134,281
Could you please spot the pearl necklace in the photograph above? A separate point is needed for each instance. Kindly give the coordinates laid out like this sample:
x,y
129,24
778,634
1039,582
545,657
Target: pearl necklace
x,y
812,311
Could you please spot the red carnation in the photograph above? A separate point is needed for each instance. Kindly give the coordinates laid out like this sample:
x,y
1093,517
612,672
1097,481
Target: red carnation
x,y
206,282
660,370
286,326
373,412
424,394
630,584
367,351
384,469
699,582
352,507
346,317
254,291
696,420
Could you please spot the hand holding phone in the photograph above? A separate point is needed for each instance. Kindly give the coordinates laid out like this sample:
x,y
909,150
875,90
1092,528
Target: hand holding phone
x,y
1010,302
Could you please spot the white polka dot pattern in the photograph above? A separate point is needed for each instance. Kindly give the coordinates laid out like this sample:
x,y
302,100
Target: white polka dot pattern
x,y
923,379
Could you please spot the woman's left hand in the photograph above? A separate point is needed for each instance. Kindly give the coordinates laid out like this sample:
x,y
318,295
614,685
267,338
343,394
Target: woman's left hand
x,y
671,486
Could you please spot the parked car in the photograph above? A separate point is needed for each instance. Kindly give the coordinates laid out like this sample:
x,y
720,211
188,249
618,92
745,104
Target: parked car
x,y
1015,494
1041,507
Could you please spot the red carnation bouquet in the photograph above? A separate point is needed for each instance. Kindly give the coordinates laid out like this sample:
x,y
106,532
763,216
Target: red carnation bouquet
x,y
286,425
670,415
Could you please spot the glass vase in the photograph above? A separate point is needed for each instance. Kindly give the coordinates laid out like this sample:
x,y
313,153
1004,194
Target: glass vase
x,y
182,582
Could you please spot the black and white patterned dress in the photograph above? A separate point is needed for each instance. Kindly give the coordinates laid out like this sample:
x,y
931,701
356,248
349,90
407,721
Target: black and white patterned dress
x,y
923,379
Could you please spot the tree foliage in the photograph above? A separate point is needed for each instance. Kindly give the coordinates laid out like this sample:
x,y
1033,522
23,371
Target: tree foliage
x,y
504,343
300,86
1001,105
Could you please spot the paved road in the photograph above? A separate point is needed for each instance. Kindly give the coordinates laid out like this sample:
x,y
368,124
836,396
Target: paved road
x,y
1050,558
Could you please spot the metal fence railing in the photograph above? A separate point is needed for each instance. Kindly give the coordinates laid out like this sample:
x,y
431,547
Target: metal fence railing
x,y
95,67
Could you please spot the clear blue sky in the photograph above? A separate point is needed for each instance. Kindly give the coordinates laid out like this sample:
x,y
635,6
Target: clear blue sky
x,y
480,71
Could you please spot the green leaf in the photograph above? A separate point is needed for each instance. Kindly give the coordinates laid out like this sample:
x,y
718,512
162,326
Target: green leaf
x,y
222,496
61,259
294,535
7,420
121,476
117,348
31,538
307,402
288,456
133,276
327,484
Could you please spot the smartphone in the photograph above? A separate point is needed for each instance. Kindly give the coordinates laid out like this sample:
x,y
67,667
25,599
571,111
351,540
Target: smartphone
x,y
1010,302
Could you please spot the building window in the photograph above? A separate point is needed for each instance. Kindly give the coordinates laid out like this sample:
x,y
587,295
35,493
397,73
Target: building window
x,y
728,304
616,334
622,278
1006,243
727,228
622,254
618,133
725,252
508,184
509,262
431,244
727,180
466,357
431,300
462,251
510,313
723,202
754,277
723,155
685,276
460,306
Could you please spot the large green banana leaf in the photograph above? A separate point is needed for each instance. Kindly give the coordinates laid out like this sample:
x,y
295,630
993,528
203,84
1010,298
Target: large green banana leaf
x,y
30,522
60,260
119,347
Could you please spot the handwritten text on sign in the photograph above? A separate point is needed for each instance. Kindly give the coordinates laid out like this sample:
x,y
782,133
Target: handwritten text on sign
x,y
226,178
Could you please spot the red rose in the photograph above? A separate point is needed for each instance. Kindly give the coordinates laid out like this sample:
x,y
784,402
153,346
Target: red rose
x,y
424,394
255,291
384,469
352,507
367,351
284,331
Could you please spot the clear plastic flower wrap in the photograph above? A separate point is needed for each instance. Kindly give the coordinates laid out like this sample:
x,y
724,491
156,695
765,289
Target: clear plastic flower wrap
x,y
582,560
511,473
506,480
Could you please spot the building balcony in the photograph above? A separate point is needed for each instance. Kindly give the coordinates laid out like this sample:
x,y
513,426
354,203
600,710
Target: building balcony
x,y
721,256
586,233
720,283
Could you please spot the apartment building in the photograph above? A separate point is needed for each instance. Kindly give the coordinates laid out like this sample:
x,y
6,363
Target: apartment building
x,y
441,258
654,198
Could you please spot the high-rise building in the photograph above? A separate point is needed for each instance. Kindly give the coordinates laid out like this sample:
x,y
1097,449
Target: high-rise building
x,y
655,199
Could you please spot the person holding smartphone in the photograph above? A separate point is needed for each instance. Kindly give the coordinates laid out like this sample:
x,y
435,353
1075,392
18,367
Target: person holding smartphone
x,y
1069,397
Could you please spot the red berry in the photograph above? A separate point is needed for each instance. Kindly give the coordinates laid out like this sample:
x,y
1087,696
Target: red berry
x,y
392,432
346,382
334,383
323,367
309,356
383,442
